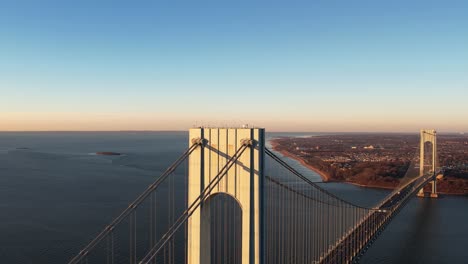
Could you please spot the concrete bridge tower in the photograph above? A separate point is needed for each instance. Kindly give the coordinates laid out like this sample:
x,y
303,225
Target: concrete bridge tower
x,y
428,135
243,182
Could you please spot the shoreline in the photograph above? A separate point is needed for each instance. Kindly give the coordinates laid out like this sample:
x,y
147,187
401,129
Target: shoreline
x,y
326,178
369,186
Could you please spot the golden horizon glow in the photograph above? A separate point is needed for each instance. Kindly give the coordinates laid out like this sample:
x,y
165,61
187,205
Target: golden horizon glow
x,y
75,121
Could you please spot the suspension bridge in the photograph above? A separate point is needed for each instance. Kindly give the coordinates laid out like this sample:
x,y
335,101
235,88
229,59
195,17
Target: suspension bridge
x,y
229,199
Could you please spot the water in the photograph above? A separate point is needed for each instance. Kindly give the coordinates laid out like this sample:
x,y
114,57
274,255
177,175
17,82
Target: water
x,y
55,196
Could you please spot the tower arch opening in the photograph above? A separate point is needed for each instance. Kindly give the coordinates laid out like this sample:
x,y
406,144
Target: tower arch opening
x,y
222,229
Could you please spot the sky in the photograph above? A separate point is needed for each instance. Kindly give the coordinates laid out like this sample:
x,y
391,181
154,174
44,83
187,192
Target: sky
x,y
394,66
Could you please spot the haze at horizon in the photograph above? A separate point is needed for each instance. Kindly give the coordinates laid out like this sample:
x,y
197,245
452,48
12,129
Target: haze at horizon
x,y
295,66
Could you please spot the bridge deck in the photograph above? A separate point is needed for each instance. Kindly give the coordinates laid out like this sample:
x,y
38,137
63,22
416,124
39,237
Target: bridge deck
x,y
357,241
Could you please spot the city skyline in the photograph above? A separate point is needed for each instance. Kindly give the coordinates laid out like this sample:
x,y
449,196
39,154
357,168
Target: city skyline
x,y
296,66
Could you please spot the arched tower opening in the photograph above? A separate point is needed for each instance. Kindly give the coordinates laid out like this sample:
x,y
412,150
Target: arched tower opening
x,y
428,158
221,230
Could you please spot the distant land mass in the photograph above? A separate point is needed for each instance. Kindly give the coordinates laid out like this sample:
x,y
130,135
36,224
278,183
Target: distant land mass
x,y
377,160
108,153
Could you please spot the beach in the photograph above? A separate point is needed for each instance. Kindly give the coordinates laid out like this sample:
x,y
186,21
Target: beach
x,y
443,187
325,177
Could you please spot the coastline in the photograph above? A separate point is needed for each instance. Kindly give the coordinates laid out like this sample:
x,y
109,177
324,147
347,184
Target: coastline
x,y
325,177
370,185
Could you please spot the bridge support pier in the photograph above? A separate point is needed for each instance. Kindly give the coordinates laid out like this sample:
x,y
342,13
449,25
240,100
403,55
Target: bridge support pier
x,y
434,189
432,194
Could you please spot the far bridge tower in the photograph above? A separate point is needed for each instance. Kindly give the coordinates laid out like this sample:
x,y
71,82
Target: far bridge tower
x,y
428,135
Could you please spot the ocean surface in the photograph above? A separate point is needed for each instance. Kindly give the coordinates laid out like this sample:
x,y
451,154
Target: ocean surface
x,y
55,196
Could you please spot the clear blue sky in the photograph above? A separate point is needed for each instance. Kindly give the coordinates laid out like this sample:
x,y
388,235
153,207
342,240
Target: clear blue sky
x,y
286,65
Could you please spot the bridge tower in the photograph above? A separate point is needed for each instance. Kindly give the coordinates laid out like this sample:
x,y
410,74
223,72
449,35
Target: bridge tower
x,y
428,135
243,182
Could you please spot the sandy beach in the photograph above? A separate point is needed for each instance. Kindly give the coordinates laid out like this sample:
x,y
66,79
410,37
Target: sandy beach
x,y
325,177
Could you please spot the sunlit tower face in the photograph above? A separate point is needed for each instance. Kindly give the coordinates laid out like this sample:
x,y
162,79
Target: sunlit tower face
x,y
428,151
